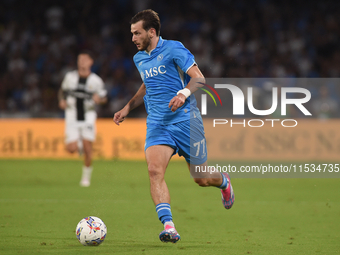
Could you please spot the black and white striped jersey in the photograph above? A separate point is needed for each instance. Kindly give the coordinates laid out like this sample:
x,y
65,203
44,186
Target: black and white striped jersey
x,y
79,92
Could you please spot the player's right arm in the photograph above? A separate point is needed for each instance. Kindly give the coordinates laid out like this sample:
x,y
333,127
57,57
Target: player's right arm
x,y
61,99
62,94
135,101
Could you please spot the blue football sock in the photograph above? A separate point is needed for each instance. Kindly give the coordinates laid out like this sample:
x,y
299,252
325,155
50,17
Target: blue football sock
x,y
224,184
164,212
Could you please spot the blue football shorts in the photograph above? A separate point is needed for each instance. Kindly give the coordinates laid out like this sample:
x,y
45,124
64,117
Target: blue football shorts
x,y
185,137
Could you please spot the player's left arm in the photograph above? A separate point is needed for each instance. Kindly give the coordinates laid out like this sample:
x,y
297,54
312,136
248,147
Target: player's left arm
x,y
99,97
99,100
197,80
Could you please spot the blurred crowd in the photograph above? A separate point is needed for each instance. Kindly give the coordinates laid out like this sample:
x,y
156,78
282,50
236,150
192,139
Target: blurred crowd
x,y
39,42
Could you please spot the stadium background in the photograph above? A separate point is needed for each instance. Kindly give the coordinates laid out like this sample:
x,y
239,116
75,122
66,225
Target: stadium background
x,y
39,42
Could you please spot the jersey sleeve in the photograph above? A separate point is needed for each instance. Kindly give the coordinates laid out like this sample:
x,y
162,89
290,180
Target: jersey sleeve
x,y
182,57
101,88
64,83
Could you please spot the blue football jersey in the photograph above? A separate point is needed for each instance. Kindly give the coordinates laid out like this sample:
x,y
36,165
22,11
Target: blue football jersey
x,y
164,73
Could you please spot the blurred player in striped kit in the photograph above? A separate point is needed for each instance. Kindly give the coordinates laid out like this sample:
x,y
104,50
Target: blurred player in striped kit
x,y
80,91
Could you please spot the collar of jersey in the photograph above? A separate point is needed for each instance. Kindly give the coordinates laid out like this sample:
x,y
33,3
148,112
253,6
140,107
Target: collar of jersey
x,y
159,44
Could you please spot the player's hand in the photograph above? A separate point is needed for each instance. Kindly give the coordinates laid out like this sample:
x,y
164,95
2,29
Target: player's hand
x,y
120,116
176,102
62,104
96,98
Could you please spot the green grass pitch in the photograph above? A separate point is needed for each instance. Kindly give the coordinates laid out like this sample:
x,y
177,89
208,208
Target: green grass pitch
x,y
41,203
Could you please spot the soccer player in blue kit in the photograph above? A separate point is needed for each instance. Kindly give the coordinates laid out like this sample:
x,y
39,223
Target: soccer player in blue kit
x,y
174,123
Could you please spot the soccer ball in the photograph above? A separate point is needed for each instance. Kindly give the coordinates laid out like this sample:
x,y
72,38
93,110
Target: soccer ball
x,y
91,231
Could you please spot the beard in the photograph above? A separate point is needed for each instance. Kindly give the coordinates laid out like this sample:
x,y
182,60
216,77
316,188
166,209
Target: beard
x,y
145,44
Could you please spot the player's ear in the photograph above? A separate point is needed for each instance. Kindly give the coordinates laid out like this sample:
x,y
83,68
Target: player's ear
x,y
152,32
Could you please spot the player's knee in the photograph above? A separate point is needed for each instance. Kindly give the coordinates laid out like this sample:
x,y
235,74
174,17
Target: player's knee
x,y
203,182
71,148
155,172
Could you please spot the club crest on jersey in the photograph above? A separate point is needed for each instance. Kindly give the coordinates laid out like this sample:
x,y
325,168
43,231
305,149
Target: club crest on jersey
x,y
160,57
153,71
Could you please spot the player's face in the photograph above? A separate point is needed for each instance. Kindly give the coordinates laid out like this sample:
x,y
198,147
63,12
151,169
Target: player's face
x,y
140,37
84,61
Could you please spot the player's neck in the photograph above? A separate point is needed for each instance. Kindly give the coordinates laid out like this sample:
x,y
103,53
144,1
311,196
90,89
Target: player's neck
x,y
84,72
153,44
